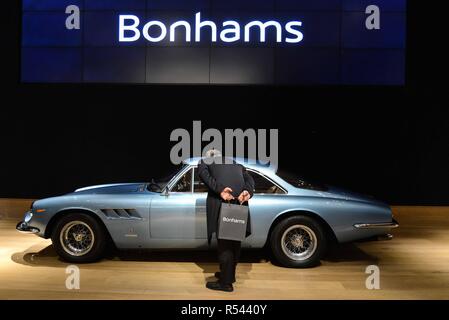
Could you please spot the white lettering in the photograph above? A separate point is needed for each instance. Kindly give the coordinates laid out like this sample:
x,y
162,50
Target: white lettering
x,y
299,35
186,25
263,26
147,27
193,310
133,28
235,309
130,30
233,220
235,30
200,24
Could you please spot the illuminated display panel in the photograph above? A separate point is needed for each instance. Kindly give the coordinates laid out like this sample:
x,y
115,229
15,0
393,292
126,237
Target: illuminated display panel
x,y
287,42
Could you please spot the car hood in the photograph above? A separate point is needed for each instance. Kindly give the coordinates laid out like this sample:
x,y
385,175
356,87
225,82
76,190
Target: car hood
x,y
113,188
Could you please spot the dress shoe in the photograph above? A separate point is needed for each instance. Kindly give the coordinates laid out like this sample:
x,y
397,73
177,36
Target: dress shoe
x,y
217,275
216,285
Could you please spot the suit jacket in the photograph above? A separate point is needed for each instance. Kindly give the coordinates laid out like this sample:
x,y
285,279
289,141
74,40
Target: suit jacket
x,y
218,176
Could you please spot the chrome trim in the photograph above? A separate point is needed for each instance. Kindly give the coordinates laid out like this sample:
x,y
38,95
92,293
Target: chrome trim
x,y
390,225
79,242
269,179
192,189
299,242
99,186
183,171
23,227
177,176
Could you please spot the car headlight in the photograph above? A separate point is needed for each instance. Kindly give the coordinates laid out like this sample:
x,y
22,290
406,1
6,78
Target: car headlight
x,y
28,216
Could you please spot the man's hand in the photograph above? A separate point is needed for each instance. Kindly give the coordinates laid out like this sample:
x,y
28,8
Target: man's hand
x,y
244,196
226,194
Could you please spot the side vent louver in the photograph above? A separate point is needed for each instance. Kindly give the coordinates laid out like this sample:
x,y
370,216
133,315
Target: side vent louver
x,y
121,213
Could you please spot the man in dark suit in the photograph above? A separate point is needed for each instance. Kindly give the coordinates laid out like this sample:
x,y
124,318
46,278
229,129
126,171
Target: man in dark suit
x,y
226,182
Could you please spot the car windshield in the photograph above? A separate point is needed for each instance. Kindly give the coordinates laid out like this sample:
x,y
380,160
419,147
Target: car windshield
x,y
300,182
157,185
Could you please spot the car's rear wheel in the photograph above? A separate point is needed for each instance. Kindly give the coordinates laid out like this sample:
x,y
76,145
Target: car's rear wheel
x,y
298,242
78,237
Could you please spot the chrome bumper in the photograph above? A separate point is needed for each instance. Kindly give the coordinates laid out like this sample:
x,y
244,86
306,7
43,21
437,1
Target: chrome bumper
x,y
386,225
24,227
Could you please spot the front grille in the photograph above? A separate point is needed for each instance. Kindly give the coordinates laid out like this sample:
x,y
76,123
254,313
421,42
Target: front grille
x,y
121,213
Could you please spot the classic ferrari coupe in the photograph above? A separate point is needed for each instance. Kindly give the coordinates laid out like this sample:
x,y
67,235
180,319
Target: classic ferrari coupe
x,y
294,218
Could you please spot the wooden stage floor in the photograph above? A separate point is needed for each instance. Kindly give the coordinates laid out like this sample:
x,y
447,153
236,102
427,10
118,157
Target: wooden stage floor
x,y
414,265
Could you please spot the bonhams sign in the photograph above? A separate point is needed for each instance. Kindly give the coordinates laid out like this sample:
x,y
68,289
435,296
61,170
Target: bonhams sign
x,y
228,31
269,42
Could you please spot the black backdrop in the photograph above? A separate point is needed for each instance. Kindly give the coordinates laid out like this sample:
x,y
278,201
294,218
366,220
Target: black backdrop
x,y
391,142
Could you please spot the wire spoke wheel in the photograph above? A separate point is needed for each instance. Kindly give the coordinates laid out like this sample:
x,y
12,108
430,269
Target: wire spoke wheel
x,y
299,242
77,238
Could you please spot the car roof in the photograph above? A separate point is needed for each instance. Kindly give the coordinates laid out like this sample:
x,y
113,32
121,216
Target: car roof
x,y
248,163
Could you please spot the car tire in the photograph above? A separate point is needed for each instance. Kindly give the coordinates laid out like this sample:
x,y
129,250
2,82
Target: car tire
x,y
298,242
79,238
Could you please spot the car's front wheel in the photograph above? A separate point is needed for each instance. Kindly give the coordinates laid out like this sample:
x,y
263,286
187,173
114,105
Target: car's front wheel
x,y
78,237
298,242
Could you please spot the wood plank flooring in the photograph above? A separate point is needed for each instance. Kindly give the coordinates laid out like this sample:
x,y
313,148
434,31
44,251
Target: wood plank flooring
x,y
414,265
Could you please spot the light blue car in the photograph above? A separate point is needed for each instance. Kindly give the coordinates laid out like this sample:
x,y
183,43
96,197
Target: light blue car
x,y
294,218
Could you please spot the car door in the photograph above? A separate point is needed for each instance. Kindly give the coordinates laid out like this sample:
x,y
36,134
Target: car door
x,y
179,214
200,194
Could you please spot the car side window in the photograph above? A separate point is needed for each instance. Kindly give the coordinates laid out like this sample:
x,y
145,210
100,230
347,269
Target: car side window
x,y
198,185
184,184
263,185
